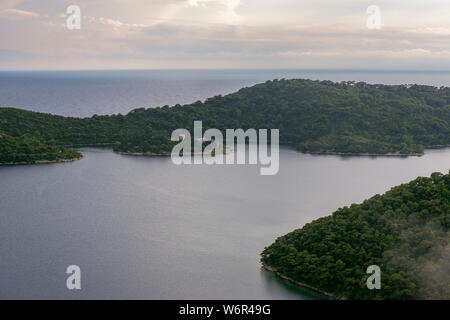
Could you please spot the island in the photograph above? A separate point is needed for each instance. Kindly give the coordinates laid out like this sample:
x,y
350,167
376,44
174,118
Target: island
x,y
27,149
325,117
404,232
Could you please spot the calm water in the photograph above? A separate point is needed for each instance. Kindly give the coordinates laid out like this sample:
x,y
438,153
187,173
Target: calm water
x,y
144,228
85,93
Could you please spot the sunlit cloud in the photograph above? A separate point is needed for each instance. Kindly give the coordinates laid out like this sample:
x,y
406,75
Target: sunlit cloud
x,y
16,14
223,34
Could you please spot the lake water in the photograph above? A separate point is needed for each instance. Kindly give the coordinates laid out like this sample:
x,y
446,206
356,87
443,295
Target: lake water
x,y
144,228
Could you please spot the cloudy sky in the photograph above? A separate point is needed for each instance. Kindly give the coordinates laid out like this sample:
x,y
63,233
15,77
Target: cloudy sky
x,y
194,34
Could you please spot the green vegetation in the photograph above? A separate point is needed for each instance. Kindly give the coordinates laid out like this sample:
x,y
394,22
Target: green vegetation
x,y
27,149
315,116
404,231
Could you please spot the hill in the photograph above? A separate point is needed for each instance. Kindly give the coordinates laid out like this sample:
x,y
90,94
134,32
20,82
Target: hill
x,y
404,232
314,116
27,149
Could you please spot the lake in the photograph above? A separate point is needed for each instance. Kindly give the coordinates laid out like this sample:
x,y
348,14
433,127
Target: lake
x,y
143,228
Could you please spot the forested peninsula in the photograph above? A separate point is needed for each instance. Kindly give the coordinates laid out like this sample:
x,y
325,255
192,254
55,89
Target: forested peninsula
x,y
404,232
313,116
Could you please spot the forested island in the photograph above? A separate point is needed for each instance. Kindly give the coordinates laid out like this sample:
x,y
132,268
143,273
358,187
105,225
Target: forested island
x,y
28,149
313,116
404,232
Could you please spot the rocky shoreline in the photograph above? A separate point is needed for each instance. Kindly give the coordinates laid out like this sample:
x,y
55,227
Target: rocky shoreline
x,y
301,284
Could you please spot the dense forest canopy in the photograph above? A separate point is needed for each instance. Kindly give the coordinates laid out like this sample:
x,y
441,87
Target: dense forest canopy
x,y
315,116
405,232
28,149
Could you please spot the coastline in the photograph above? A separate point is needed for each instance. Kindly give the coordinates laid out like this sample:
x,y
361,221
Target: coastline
x,y
167,154
335,153
300,284
40,161
368,154
365,154
160,154
331,153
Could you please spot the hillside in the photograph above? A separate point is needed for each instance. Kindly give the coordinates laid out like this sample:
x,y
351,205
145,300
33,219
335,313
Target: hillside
x,y
404,231
314,116
27,149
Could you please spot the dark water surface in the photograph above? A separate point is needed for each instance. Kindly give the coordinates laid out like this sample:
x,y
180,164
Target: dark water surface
x,y
144,228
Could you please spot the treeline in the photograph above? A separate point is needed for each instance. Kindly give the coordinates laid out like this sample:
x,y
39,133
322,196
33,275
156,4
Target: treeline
x,y
404,231
315,116
27,149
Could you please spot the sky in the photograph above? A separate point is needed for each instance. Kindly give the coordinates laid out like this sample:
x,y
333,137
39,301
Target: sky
x,y
225,34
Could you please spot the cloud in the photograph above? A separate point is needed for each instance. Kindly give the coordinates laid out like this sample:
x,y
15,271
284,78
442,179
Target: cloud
x,y
225,10
16,14
430,31
222,33
8,4
294,53
117,23
230,4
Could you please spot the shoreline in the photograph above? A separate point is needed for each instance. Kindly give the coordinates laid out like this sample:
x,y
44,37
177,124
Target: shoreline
x,y
167,154
368,154
162,154
300,284
40,161
364,154
390,154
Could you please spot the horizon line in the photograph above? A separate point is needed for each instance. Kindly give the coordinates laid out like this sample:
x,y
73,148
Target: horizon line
x,y
231,69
